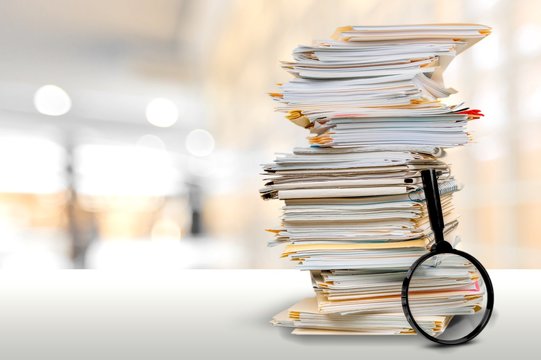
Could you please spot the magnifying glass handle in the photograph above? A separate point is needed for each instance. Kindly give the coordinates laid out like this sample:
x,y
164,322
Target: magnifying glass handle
x,y
433,203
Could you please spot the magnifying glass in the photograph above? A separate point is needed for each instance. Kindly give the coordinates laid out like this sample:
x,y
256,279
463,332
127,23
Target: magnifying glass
x,y
447,295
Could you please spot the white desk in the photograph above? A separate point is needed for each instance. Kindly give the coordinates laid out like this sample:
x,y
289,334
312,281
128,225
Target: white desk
x,y
222,314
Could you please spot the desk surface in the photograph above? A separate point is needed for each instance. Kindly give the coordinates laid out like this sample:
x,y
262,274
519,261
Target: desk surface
x,y
221,314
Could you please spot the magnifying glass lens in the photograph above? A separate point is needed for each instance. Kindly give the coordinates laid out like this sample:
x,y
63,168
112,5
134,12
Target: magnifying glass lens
x,y
447,297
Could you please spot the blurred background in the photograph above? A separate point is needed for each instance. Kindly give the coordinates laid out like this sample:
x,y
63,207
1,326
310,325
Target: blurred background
x,y
132,132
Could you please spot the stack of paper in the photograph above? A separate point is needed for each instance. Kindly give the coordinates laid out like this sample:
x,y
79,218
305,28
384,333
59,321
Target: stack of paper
x,y
305,318
354,211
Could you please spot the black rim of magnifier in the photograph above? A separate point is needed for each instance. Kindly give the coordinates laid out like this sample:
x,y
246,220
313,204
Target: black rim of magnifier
x,y
435,214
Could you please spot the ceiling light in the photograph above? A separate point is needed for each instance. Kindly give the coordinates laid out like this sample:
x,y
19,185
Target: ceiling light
x,y
52,100
162,112
199,142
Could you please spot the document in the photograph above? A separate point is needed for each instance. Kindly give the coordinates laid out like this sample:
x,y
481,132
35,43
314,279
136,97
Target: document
x,y
370,101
